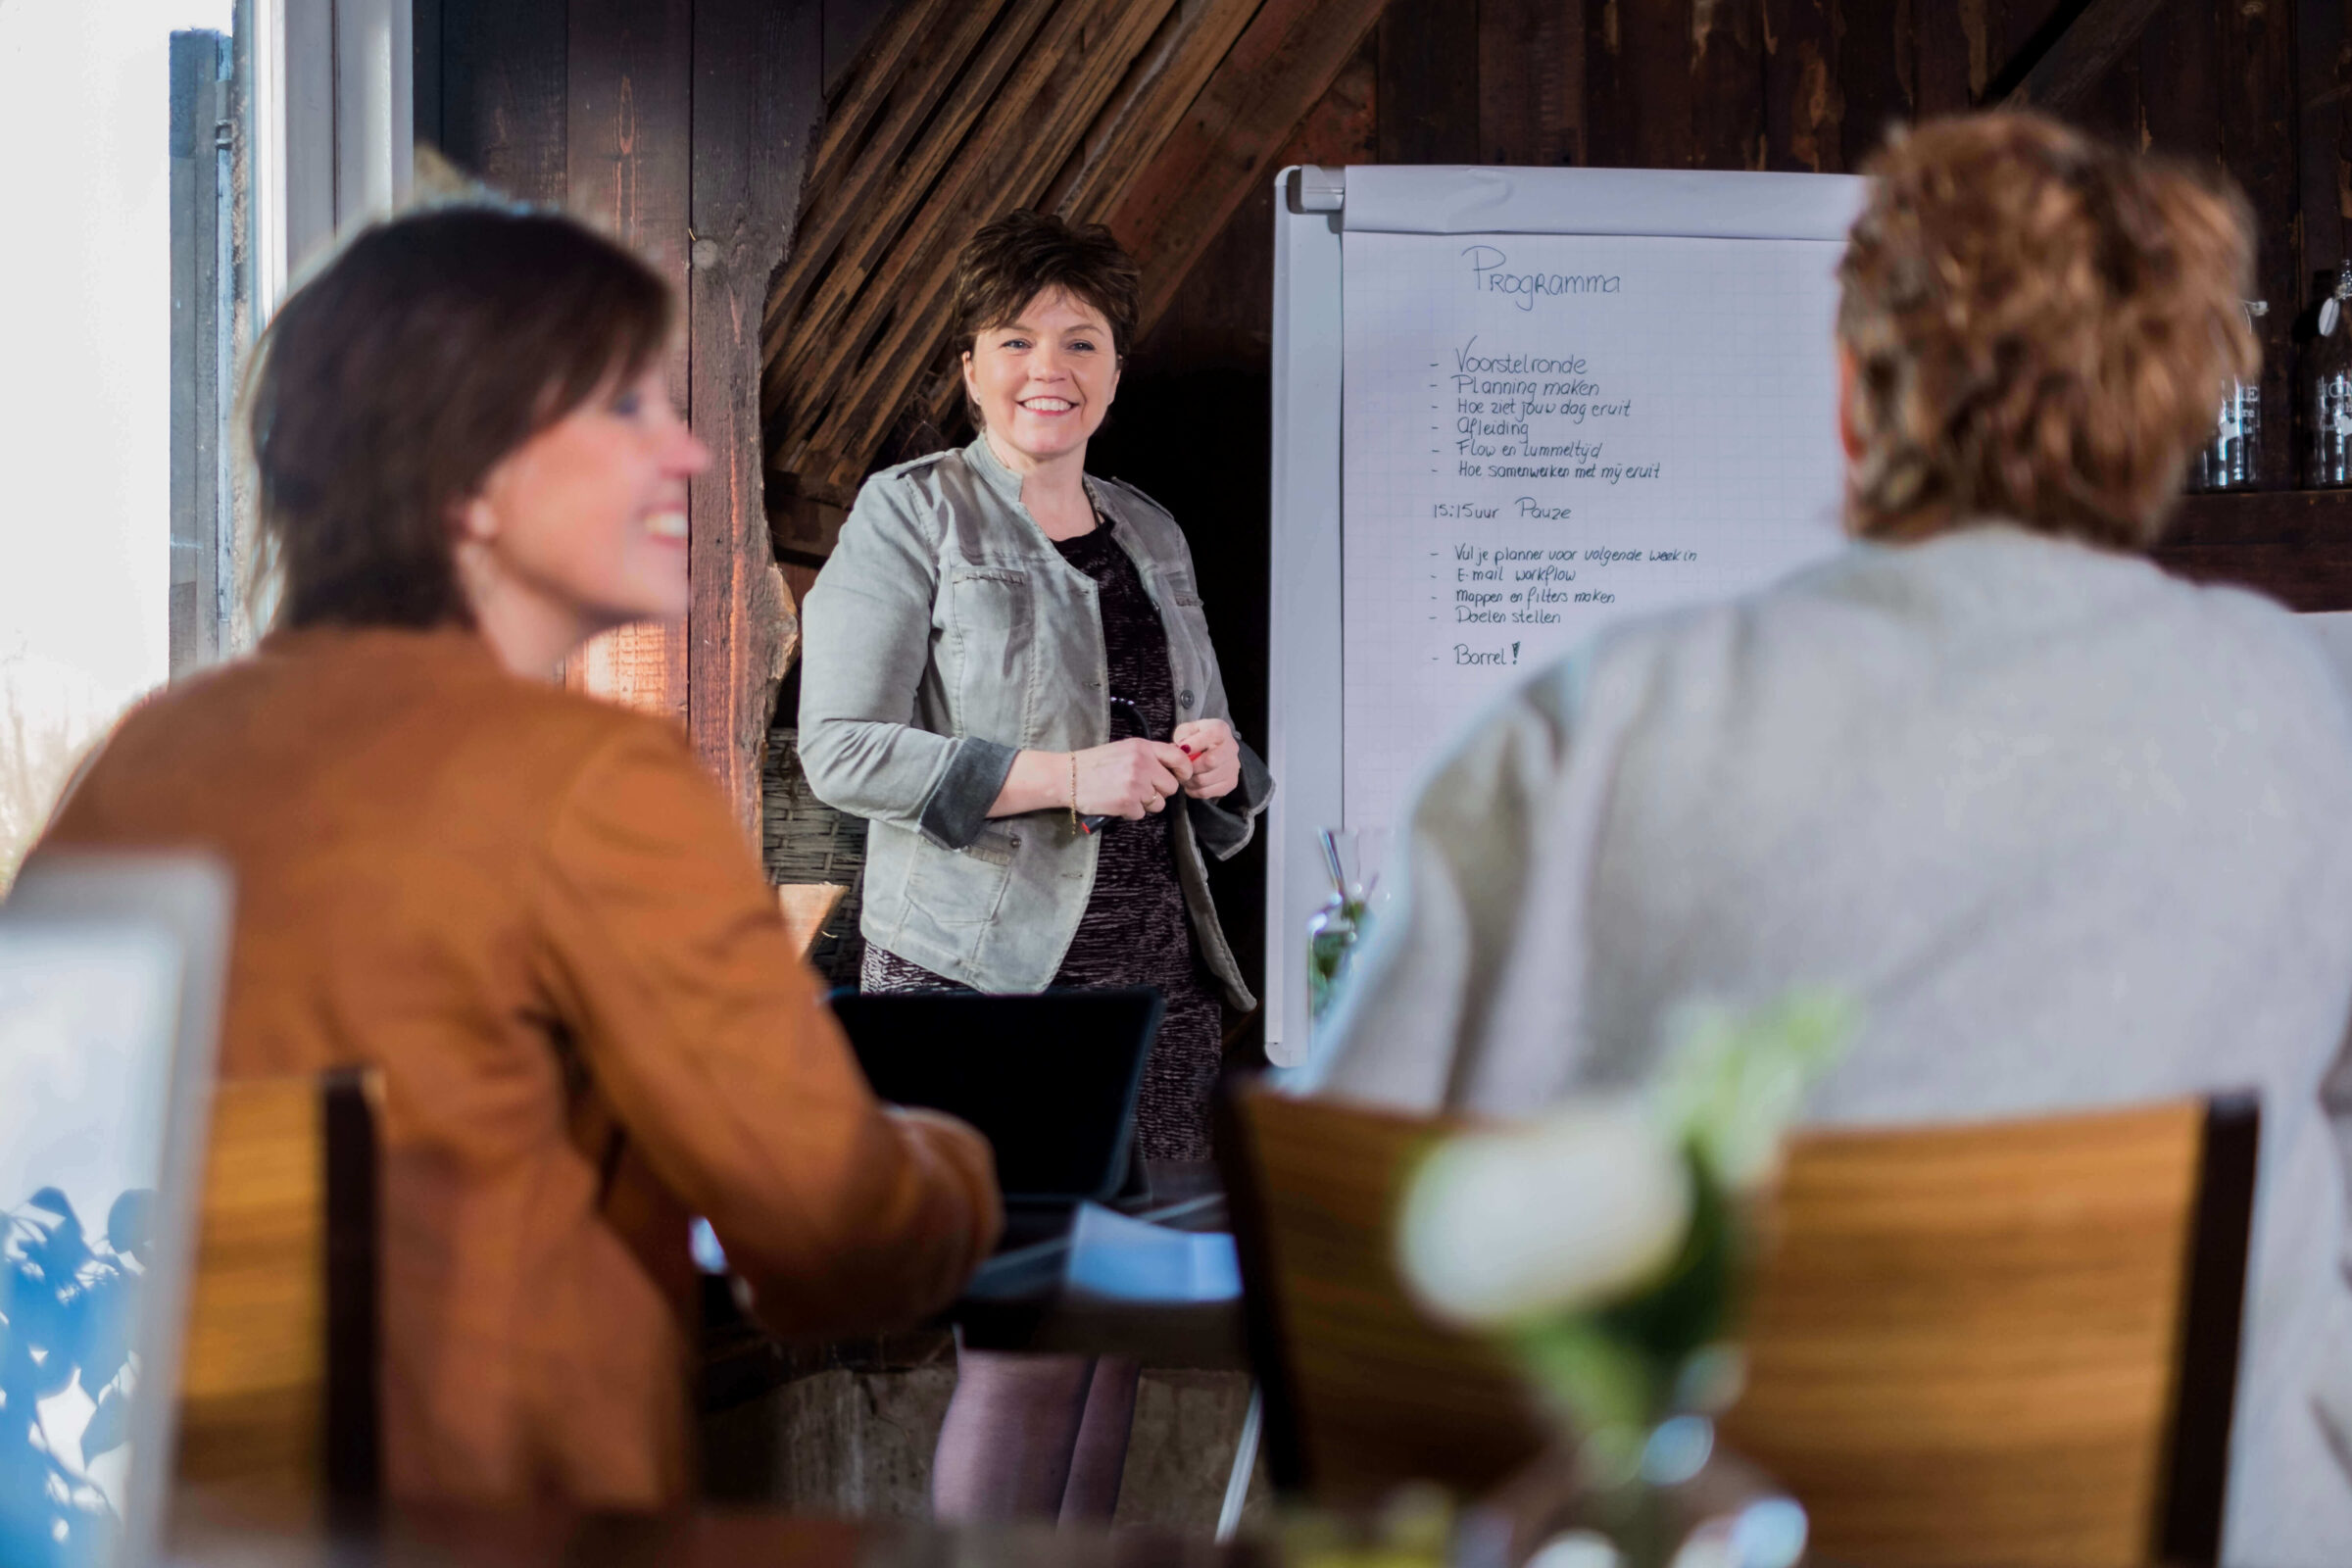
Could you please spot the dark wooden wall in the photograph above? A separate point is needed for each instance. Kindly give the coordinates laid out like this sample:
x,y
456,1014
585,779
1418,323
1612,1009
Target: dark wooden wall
x,y
680,127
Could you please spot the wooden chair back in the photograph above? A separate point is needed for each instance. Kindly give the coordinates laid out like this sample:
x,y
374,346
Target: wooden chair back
x,y
1360,1391
2010,1343
2013,1343
278,1371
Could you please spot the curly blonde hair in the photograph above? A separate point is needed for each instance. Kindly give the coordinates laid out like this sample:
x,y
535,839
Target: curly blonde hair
x,y
2040,329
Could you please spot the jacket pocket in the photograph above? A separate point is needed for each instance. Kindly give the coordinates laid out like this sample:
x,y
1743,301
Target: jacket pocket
x,y
992,619
954,890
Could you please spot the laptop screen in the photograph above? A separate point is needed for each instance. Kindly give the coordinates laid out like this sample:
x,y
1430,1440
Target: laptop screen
x,y
1050,1079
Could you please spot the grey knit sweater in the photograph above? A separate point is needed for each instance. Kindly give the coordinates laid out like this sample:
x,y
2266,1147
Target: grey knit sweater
x,y
2074,833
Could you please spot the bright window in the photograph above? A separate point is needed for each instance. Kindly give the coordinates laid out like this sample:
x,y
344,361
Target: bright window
x,y
84,380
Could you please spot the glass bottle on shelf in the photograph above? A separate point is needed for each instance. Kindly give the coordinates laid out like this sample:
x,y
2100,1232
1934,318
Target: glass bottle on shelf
x,y
2327,394
2232,459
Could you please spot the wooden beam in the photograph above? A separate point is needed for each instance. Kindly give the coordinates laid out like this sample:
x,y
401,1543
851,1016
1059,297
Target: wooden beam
x,y
1156,116
757,95
1147,106
1008,164
869,358
865,184
869,195
2080,55
1225,146
1143,112
629,167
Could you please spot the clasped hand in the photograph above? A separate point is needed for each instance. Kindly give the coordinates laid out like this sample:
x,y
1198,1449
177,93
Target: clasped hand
x,y
1134,777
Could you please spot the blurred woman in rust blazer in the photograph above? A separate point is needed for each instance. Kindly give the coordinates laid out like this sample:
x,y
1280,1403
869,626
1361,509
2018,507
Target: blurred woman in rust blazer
x,y
528,908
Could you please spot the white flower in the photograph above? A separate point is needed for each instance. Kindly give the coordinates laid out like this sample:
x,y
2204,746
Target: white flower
x,y
1556,1216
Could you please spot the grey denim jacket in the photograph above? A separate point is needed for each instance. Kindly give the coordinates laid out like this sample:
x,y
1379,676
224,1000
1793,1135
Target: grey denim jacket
x,y
945,635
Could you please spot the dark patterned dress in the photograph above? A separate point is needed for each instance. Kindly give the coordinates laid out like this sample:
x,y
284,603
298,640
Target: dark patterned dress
x,y
1136,931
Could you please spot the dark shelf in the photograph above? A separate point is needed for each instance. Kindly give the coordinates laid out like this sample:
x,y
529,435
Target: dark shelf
x,y
2294,544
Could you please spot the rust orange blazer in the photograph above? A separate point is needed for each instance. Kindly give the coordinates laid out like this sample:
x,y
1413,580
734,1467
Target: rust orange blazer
x,y
536,916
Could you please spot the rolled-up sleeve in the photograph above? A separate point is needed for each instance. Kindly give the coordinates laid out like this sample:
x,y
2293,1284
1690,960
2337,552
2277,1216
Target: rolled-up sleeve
x,y
1225,826
866,643
667,958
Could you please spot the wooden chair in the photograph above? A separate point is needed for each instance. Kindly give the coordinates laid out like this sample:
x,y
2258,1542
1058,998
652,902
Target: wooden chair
x,y
278,1372
807,907
2008,1342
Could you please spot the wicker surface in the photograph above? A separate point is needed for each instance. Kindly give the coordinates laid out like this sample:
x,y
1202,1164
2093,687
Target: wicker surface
x,y
804,840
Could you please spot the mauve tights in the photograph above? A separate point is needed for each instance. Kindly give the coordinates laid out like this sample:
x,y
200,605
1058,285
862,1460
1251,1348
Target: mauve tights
x,y
1034,1436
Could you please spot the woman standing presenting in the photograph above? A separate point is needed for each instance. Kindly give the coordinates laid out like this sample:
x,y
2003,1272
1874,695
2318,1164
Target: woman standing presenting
x,y
999,647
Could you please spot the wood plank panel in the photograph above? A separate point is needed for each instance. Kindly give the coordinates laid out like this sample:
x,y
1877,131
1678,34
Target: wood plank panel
x,y
1147,106
2294,544
1531,81
629,166
1954,43
2069,72
425,65
2259,147
2179,100
503,102
1608,110
892,338
1727,84
870,179
1656,71
857,366
1804,108
2322,73
759,94
1282,65
850,26
1874,68
1428,99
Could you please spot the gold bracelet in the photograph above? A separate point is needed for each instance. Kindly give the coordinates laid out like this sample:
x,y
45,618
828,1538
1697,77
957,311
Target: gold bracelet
x,y
1073,792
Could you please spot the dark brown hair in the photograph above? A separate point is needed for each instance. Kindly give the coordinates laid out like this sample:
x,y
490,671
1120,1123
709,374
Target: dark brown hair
x,y
390,385
1022,255
2041,329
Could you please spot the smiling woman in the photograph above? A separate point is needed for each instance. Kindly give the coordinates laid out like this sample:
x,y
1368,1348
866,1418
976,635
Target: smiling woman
x,y
531,911
1007,673
501,453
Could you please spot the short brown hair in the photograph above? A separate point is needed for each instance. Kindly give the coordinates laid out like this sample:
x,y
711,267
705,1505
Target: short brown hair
x,y
1022,255
389,386
2041,329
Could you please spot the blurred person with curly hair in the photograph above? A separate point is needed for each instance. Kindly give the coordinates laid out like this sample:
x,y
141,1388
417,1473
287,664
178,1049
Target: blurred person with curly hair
x,y
2070,831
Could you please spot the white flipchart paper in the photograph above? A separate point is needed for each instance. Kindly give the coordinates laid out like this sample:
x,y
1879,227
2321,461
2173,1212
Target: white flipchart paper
x,y
1544,433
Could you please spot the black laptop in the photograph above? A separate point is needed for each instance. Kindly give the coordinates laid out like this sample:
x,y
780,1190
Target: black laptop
x,y
1050,1080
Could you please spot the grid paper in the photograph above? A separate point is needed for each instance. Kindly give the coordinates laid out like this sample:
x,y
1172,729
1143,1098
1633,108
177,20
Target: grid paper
x,y
1487,530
